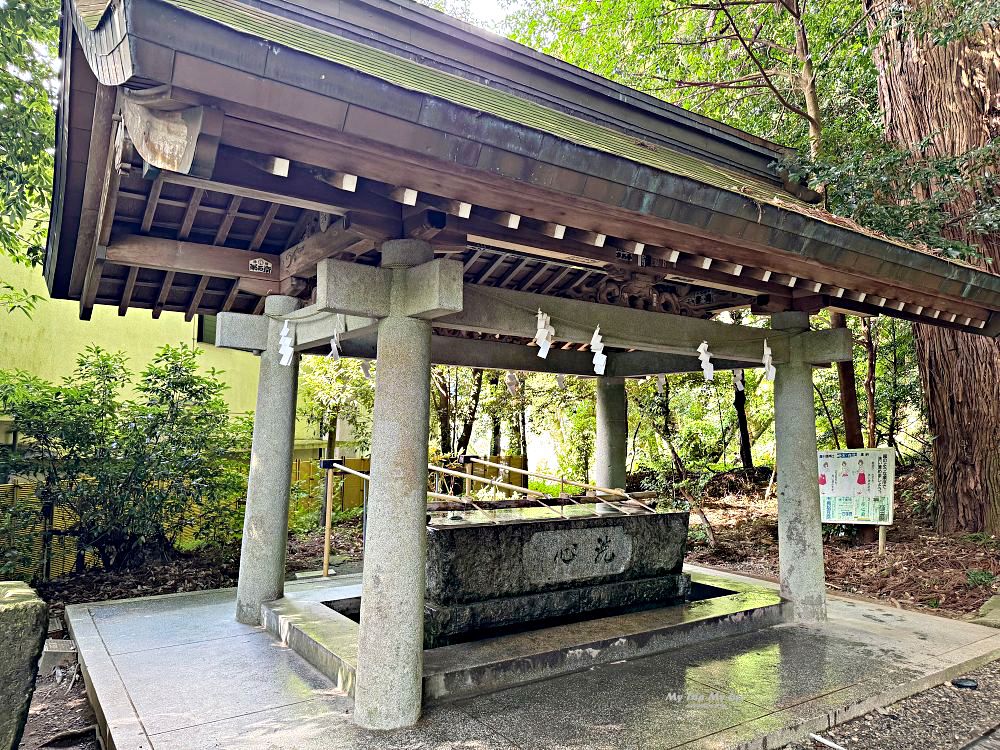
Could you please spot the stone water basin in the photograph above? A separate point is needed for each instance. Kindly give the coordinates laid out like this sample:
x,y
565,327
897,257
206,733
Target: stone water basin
x,y
485,579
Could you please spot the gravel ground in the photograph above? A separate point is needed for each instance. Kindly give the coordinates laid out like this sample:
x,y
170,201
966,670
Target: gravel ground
x,y
942,717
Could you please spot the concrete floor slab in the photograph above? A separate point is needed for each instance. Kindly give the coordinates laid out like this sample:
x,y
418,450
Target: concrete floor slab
x,y
166,623
176,673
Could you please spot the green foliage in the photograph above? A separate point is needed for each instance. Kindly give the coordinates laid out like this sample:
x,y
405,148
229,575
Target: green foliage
x,y
129,471
942,21
687,53
305,505
552,489
334,389
865,180
568,416
29,32
976,577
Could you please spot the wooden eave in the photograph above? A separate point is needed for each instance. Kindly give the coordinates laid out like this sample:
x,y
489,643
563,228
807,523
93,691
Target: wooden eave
x,y
326,118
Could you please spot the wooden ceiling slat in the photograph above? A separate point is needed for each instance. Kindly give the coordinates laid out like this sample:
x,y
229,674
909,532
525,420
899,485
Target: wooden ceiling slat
x,y
161,298
491,268
556,279
472,259
234,289
518,267
535,276
190,213
151,203
195,302
222,233
264,227
126,300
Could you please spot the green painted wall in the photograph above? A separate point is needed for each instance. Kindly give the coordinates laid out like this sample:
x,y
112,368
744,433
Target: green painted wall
x,y
47,343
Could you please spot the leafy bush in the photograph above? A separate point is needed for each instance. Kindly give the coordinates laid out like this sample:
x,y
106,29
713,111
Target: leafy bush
x,y
979,578
130,472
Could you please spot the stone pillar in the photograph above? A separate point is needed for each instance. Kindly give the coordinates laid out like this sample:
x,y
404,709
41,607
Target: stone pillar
x,y
23,623
265,526
800,532
611,444
391,636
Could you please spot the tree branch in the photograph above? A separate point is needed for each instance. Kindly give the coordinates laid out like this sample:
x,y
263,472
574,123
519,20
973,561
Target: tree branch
x,y
770,84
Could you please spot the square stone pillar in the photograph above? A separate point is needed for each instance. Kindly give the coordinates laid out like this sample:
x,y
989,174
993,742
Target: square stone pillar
x,y
800,531
391,636
265,525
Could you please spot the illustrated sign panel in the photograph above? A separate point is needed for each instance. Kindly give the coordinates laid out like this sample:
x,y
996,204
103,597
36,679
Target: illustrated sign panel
x,y
856,486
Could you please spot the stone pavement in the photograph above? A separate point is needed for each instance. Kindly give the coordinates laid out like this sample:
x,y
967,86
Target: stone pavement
x,y
178,672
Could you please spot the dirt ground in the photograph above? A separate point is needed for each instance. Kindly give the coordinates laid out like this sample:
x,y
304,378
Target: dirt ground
x,y
60,716
949,575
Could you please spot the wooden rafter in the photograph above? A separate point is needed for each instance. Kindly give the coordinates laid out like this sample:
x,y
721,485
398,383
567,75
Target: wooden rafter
x,y
498,261
264,227
161,298
126,299
190,213
152,201
230,300
542,268
514,271
232,211
195,302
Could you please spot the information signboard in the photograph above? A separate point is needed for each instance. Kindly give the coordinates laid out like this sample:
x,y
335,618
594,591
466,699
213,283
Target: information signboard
x,y
855,486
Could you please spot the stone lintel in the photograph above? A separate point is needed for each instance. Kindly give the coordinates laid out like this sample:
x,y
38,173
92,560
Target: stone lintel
x,y
433,289
506,312
824,347
241,331
352,289
316,328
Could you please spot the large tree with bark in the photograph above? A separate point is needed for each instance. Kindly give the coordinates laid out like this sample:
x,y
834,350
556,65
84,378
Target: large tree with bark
x,y
939,85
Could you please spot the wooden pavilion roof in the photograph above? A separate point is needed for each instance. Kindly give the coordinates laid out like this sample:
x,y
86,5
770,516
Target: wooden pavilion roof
x,y
211,153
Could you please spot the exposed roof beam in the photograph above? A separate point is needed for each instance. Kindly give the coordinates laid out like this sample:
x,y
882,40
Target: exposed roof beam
x,y
234,290
190,213
126,299
193,258
195,302
161,298
222,233
274,165
340,236
264,227
95,186
340,180
151,202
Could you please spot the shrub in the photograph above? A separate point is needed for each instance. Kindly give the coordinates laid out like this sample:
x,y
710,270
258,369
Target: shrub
x,y
129,471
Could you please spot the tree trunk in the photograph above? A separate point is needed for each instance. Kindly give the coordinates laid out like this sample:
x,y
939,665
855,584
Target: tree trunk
x,y
853,437
469,420
442,407
951,93
740,404
493,381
